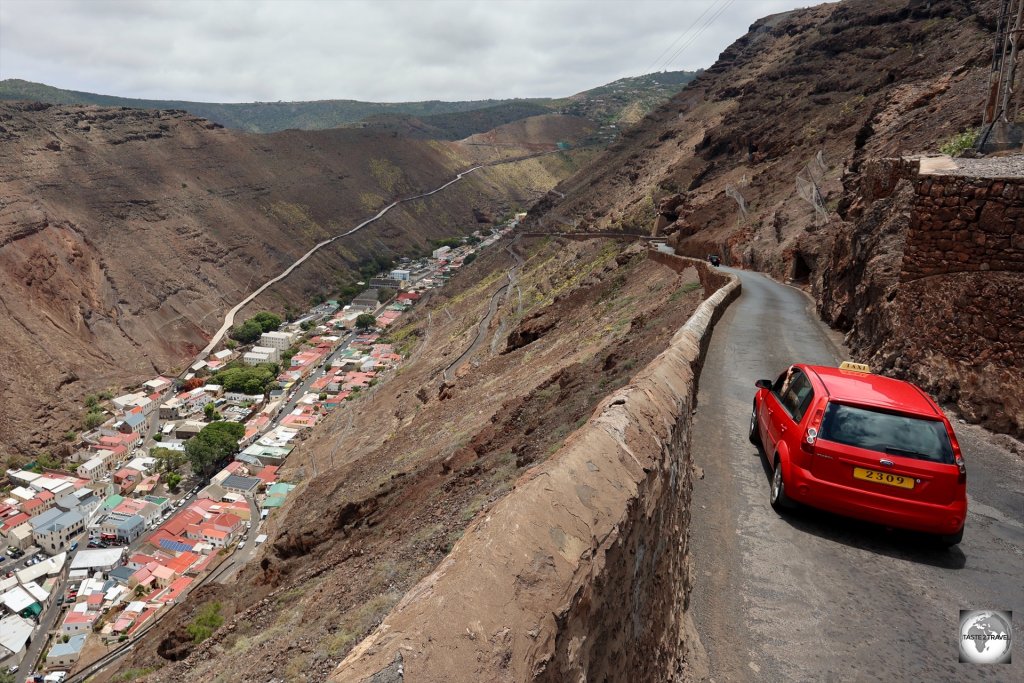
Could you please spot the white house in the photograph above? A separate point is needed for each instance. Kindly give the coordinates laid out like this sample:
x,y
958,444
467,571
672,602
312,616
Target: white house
x,y
14,634
171,409
142,464
66,654
96,467
276,340
157,385
55,535
262,354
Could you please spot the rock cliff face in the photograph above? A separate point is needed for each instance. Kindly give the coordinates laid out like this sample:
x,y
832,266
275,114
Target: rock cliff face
x,y
927,281
125,234
762,159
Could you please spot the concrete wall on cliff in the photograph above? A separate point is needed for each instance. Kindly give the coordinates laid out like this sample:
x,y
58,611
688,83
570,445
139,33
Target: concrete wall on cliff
x,y
930,282
581,572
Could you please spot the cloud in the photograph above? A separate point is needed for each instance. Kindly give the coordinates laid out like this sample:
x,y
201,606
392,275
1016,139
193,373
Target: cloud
x,y
387,50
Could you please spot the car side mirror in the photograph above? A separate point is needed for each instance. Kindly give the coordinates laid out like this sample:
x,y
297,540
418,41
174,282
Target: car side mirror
x,y
763,384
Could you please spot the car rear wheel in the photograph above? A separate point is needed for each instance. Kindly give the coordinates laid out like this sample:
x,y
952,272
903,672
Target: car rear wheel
x,y
950,540
753,435
780,502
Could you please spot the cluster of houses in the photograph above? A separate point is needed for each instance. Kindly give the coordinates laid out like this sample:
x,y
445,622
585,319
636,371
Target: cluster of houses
x,y
24,595
146,550
124,577
46,510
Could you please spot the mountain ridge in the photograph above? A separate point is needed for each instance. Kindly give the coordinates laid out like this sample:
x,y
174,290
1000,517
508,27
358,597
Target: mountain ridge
x,y
268,117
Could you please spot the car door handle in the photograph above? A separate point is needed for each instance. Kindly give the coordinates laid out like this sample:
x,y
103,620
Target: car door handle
x,y
782,429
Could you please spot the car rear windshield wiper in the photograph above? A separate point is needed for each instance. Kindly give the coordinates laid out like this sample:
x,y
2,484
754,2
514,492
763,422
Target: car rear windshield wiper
x,y
892,450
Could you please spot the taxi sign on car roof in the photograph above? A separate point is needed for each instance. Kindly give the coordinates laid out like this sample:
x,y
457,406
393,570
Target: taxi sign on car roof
x,y
854,367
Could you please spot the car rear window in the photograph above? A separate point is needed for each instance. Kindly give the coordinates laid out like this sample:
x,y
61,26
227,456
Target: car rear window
x,y
890,433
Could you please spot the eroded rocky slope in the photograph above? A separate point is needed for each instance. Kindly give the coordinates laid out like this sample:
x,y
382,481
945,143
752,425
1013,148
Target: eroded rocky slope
x,y
403,471
762,159
125,234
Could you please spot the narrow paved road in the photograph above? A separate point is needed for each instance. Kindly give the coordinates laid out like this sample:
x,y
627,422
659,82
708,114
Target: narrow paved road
x,y
811,596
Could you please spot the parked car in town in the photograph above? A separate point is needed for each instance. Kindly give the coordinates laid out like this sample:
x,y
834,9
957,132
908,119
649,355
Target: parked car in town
x,y
861,445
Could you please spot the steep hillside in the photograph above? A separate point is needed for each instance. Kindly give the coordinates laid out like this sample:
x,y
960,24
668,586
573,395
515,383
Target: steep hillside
x,y
626,99
383,510
456,125
125,234
785,121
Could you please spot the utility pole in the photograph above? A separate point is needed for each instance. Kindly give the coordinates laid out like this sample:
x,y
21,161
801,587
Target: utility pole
x,y
1004,101
1015,38
1006,56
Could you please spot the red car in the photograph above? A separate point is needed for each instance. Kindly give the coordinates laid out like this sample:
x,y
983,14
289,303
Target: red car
x,y
861,445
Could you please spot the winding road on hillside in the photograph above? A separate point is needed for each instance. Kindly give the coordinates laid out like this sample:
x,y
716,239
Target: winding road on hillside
x,y
229,317
811,596
492,310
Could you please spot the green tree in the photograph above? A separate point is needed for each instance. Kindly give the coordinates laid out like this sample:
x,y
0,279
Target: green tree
x,y
172,479
365,321
231,344
247,332
245,379
469,258
384,294
91,401
447,242
267,321
70,435
213,445
166,459
158,437
211,412
6,676
94,418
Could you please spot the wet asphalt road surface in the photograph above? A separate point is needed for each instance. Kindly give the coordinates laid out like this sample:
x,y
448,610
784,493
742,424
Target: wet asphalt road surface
x,y
816,597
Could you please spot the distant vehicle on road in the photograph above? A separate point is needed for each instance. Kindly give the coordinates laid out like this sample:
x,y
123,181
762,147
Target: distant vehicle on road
x,y
861,445
714,260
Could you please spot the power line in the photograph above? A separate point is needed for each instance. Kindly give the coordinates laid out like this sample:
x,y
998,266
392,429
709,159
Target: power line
x,y
681,35
711,20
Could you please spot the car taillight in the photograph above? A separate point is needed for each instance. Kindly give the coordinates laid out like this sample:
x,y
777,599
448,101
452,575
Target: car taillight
x,y
811,434
958,458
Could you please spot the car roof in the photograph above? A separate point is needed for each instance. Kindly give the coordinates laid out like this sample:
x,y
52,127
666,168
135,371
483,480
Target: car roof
x,y
868,389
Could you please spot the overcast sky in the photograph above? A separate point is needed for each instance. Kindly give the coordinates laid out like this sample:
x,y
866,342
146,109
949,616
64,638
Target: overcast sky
x,y
382,51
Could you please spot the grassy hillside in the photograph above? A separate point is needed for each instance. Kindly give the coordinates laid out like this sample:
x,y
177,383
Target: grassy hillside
x,y
626,99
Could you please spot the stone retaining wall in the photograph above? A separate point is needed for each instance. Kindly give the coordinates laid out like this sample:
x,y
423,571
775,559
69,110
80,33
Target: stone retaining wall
x,y
960,225
581,572
938,283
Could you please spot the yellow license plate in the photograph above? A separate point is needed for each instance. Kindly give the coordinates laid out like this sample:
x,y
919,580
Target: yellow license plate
x,y
883,478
